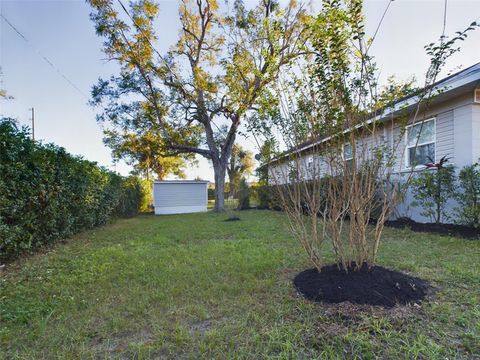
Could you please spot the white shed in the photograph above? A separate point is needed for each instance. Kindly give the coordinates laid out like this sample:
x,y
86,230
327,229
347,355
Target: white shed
x,y
180,196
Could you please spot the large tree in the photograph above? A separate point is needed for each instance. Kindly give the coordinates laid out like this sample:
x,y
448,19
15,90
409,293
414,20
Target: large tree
x,y
147,154
198,93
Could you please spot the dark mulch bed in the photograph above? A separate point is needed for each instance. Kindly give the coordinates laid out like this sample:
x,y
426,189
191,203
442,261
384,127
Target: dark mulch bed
x,y
375,286
232,218
466,232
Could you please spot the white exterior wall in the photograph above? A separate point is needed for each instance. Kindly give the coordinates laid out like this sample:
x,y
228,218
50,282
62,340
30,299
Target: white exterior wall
x,y
452,119
453,133
177,197
457,131
278,174
475,132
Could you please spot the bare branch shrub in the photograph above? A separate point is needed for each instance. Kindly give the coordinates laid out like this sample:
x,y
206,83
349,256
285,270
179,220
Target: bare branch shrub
x,y
339,181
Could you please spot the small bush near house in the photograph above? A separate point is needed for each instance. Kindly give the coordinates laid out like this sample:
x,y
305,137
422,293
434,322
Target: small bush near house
x,y
268,197
263,195
243,194
432,189
468,197
47,194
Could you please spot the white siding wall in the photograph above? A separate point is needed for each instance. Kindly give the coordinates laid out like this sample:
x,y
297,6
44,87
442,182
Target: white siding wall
x,y
475,132
463,135
444,136
175,197
398,144
457,136
444,139
278,174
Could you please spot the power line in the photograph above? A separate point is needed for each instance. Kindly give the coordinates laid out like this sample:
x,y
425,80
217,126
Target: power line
x,y
380,23
47,60
52,65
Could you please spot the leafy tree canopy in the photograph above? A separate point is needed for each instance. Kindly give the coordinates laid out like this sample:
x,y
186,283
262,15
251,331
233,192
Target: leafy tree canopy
x,y
241,164
197,94
147,153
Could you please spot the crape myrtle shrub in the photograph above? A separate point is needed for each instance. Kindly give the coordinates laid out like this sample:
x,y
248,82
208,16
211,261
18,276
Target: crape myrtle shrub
x,y
47,194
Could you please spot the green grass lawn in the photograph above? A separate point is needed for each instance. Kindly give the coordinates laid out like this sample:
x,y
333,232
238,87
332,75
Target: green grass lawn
x,y
194,286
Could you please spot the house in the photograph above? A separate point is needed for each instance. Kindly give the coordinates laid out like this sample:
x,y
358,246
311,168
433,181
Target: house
x,y
450,126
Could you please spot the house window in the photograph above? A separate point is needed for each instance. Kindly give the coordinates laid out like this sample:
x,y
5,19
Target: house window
x,y
347,152
310,163
420,143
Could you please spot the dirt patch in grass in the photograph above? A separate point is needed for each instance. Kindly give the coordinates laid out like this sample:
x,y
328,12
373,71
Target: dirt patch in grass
x,y
232,218
119,342
202,327
375,286
463,231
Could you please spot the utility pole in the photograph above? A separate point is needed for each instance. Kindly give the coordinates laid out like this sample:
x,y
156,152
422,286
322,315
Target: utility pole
x,y
33,123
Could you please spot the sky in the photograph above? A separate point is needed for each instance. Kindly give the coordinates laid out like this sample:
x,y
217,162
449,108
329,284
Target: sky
x,y
61,31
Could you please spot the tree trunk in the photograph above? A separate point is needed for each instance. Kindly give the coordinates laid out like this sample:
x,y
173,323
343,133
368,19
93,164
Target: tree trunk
x,y
220,158
219,171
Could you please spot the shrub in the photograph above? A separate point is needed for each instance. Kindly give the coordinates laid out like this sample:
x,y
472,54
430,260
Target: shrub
x,y
47,194
130,196
268,198
211,194
469,197
263,196
146,202
432,189
243,195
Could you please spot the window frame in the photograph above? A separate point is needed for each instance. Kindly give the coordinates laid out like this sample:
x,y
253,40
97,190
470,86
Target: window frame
x,y
310,162
343,152
408,165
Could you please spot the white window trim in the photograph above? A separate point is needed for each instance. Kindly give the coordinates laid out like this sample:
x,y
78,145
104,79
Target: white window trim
x,y
407,152
310,162
343,152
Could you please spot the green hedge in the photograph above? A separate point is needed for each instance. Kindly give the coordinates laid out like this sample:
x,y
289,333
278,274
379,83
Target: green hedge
x,y
267,197
47,194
